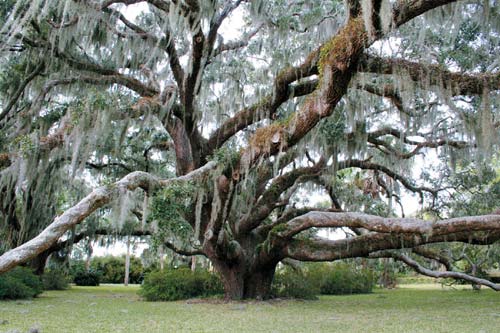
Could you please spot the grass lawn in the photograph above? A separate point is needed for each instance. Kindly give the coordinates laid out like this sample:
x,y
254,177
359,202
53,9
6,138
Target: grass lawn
x,y
415,308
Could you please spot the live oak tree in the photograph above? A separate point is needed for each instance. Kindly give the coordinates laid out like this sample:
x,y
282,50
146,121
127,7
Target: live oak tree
x,y
214,133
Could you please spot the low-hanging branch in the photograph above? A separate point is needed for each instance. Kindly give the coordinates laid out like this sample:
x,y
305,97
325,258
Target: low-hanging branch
x,y
434,255
95,200
435,274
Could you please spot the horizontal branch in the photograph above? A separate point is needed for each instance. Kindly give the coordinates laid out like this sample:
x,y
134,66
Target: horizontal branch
x,y
320,249
433,75
390,225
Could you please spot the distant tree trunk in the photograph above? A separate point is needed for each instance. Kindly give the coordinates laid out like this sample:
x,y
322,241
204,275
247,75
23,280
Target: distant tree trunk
x,y
387,279
475,286
127,263
161,254
90,250
193,263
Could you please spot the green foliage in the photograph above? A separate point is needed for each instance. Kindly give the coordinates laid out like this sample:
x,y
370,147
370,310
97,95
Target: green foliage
x,y
323,278
75,266
169,206
90,278
20,283
54,280
342,278
226,156
333,128
112,269
292,283
182,283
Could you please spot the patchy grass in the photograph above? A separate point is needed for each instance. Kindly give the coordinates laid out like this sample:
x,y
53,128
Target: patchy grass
x,y
110,308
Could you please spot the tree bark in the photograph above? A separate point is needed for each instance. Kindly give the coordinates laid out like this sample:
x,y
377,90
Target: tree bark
x,y
257,285
244,281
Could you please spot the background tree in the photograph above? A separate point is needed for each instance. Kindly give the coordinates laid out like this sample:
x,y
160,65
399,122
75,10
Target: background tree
x,y
302,94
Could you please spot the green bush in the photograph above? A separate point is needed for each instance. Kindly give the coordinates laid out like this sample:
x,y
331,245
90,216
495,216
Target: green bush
x,y
182,283
54,280
343,278
89,278
112,269
294,284
20,283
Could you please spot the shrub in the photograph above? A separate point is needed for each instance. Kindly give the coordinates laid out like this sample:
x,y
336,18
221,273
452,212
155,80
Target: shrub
x,y
54,280
294,284
19,283
210,282
182,283
343,278
89,278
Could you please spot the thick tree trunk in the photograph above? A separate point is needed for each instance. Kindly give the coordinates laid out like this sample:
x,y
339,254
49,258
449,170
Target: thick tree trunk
x,y
241,283
258,284
233,280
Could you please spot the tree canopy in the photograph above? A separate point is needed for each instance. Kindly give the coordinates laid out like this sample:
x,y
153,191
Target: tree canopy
x,y
208,124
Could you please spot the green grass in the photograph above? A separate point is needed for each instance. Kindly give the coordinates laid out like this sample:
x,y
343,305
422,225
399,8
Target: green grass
x,y
414,308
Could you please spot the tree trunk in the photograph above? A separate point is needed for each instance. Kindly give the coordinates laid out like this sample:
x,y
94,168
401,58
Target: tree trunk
x,y
240,283
127,262
232,278
258,284
90,250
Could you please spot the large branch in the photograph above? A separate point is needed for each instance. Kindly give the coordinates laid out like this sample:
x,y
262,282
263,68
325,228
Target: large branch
x,y
391,225
76,214
435,274
434,75
320,249
95,80
405,11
